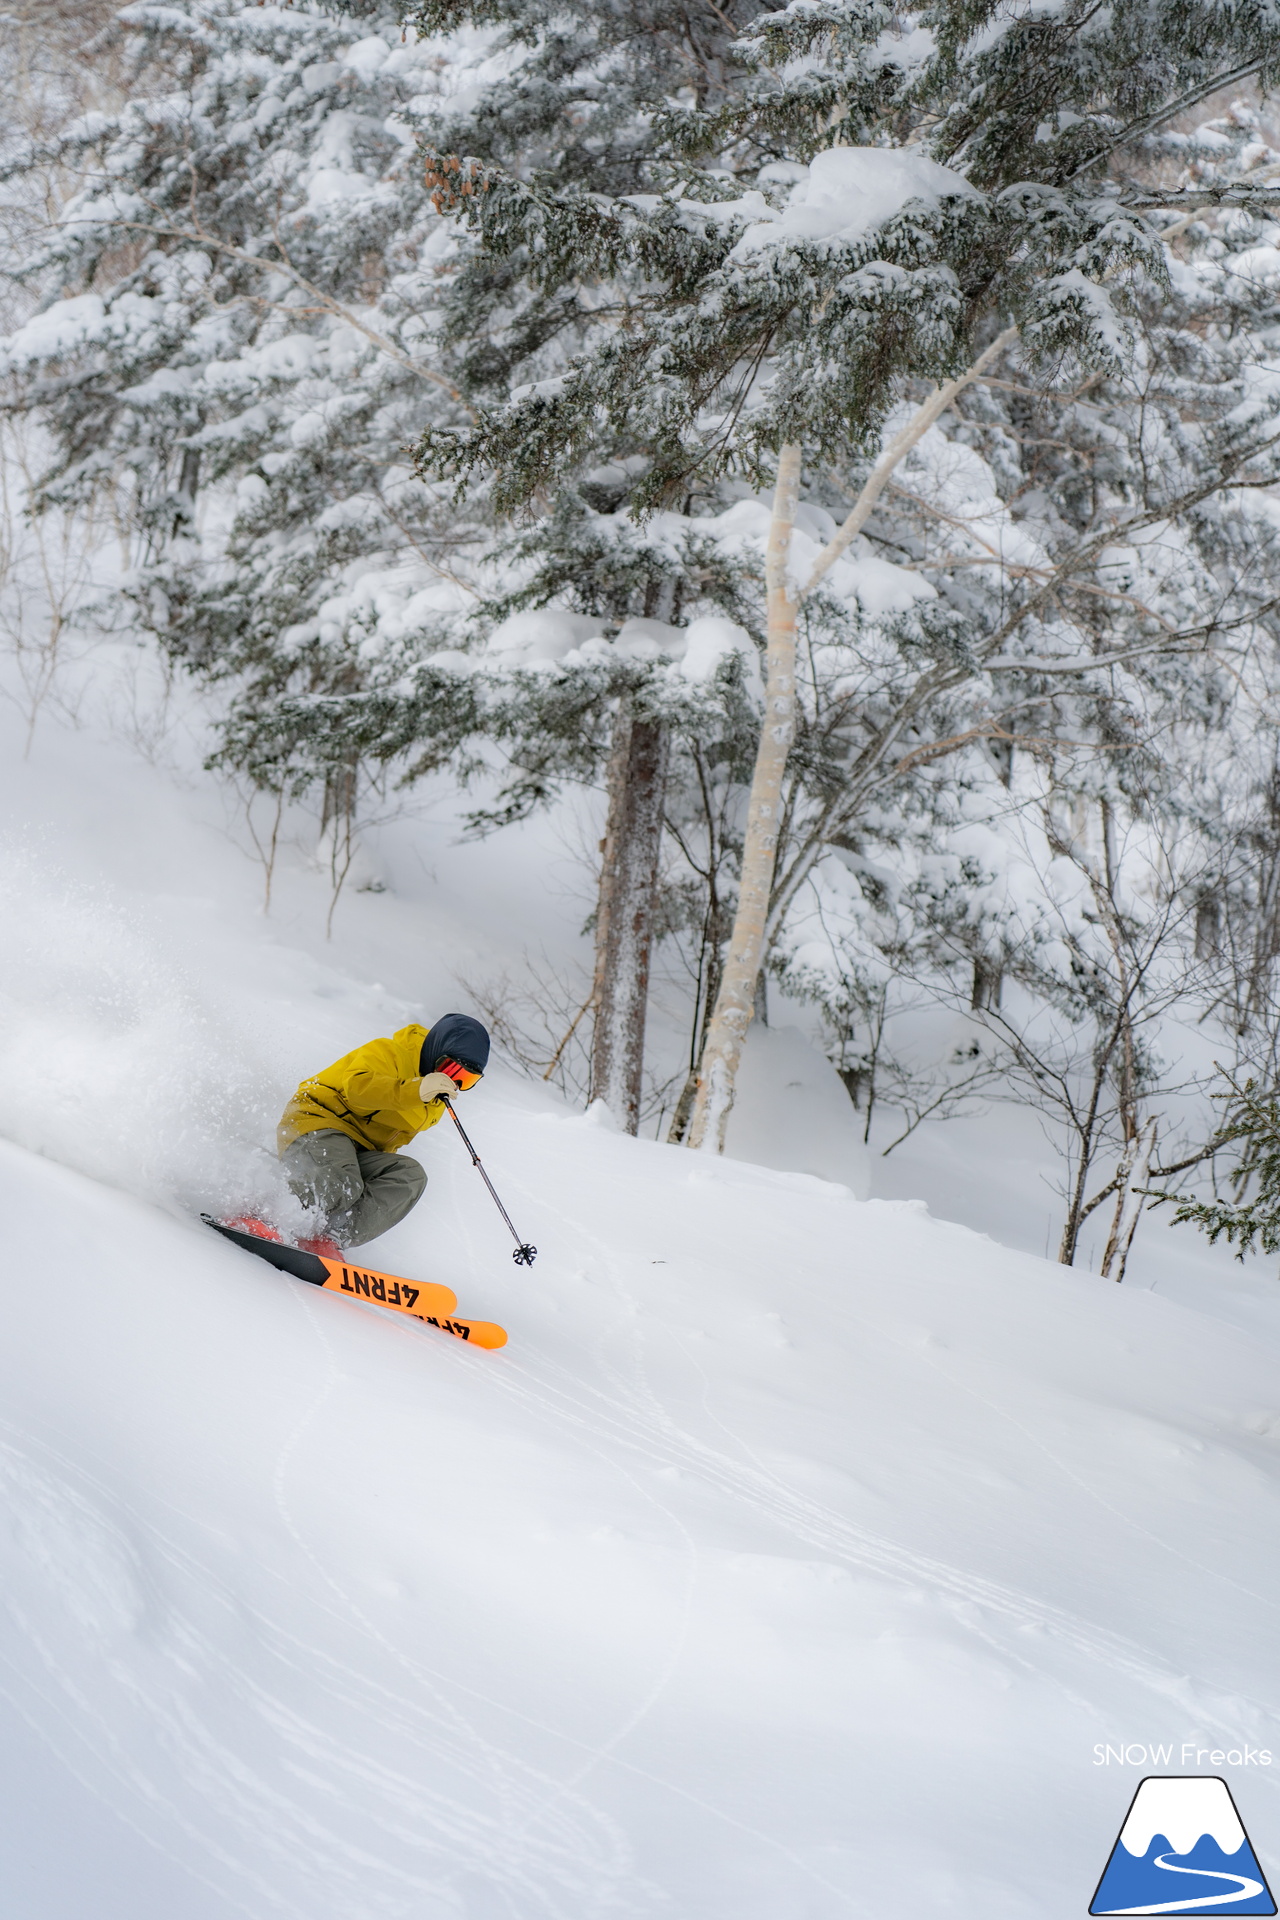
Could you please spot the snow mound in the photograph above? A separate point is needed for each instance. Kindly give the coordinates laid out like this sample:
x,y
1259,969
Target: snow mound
x,y
850,191
792,1112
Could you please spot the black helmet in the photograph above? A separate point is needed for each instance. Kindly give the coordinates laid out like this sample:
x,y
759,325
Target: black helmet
x,y
455,1037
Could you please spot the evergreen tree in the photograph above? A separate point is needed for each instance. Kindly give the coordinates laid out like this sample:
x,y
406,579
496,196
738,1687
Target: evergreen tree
x,y
637,694
1251,1219
574,111
235,346
950,278
874,200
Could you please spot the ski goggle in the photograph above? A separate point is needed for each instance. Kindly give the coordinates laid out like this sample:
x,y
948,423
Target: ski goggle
x,y
464,1076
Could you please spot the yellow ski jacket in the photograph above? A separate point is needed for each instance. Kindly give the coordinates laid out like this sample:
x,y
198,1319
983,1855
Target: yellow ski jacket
x,y
371,1095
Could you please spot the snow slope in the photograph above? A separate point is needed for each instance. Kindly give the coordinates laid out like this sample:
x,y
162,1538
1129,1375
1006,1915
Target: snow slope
x,y
790,1561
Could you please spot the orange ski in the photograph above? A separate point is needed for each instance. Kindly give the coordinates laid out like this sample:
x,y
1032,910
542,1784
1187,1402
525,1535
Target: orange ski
x,y
433,1305
480,1333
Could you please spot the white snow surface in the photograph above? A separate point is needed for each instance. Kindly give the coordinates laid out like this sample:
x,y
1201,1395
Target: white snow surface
x,y
548,635
791,1562
846,193
791,1111
1183,1811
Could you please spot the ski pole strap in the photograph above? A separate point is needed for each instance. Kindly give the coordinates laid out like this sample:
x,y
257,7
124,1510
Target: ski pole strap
x,y
524,1255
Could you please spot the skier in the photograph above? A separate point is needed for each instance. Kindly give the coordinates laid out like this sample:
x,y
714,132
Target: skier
x,y
340,1135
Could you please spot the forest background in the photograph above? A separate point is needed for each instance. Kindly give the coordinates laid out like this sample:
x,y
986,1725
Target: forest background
x,y
825,457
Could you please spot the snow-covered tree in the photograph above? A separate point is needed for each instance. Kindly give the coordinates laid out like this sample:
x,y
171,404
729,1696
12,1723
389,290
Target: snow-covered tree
x,y
58,61
871,199
234,349
918,357
572,106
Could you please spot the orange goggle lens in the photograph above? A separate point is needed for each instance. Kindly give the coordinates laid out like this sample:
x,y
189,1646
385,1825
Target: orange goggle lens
x,y
465,1076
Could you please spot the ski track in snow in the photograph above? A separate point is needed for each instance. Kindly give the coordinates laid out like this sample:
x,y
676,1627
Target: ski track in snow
x,y
607,1750
302,1840
526,1796
641,1421
541,1846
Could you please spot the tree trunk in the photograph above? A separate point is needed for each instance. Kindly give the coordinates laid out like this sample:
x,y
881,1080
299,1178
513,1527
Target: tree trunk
x,y
736,998
184,512
1266,941
988,985
615,781
338,844
704,1001
624,919
1136,1171
734,1003
339,802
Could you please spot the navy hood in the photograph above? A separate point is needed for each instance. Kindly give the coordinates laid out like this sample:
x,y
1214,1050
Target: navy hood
x,y
456,1037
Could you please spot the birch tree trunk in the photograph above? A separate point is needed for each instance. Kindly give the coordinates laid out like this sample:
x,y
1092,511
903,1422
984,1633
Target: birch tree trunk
x,y
736,998
1138,1155
735,1001
624,919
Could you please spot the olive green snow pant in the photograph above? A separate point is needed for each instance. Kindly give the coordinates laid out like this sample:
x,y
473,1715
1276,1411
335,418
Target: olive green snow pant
x,y
361,1194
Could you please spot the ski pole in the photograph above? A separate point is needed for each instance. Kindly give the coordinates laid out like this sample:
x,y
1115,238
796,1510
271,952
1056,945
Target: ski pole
x,y
524,1255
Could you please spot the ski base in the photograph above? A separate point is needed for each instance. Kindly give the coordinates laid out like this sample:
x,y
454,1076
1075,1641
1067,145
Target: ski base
x,y
435,1306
